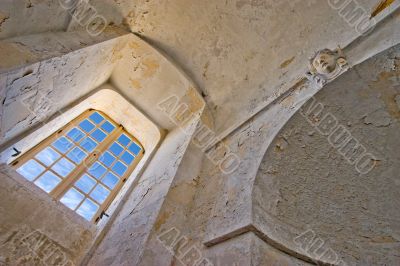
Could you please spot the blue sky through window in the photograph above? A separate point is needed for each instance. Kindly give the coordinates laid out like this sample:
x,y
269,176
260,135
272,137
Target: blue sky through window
x,y
88,209
48,181
48,156
57,162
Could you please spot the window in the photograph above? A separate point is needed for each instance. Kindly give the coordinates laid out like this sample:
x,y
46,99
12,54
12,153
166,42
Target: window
x,y
84,164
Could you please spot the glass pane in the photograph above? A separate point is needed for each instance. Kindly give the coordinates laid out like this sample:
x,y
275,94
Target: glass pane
x,y
62,144
134,148
86,125
119,168
96,118
108,127
76,134
116,149
124,140
72,198
63,167
48,181
107,159
30,170
48,156
110,180
85,183
88,209
88,144
97,170
127,158
100,193
77,155
99,135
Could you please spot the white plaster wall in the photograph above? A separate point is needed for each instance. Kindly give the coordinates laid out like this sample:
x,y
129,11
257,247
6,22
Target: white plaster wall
x,y
175,210
36,230
51,84
147,77
249,249
231,212
304,183
23,50
33,93
242,54
233,51
124,243
31,16
56,84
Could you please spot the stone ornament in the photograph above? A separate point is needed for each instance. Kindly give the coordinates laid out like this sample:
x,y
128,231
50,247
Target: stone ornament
x,y
326,65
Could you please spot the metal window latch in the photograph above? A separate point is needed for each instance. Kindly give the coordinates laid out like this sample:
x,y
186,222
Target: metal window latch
x,y
103,213
17,152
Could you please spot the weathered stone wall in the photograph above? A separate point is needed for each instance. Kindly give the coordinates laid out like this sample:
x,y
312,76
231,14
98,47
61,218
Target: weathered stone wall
x,y
176,207
31,16
146,77
249,249
37,88
245,56
36,230
125,241
242,54
31,93
306,183
40,75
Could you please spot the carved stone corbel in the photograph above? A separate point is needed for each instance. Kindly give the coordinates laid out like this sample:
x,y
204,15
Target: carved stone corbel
x,y
325,66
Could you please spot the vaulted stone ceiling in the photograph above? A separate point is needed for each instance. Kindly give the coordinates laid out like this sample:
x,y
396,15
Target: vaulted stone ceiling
x,y
242,54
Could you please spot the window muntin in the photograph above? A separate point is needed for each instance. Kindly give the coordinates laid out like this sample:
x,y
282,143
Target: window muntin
x,y
84,164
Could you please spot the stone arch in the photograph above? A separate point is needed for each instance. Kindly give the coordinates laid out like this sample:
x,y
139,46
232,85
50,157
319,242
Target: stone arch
x,y
310,198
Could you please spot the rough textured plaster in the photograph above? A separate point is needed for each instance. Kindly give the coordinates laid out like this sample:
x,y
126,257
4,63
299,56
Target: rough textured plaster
x,y
384,36
186,211
303,183
264,254
143,75
230,36
61,229
33,93
243,54
253,138
234,50
24,50
28,74
229,215
232,208
146,77
122,112
68,75
124,243
176,207
27,17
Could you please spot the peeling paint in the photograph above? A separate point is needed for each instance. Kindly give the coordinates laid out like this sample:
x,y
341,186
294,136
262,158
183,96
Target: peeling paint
x,y
136,83
3,18
286,63
150,67
378,118
386,81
